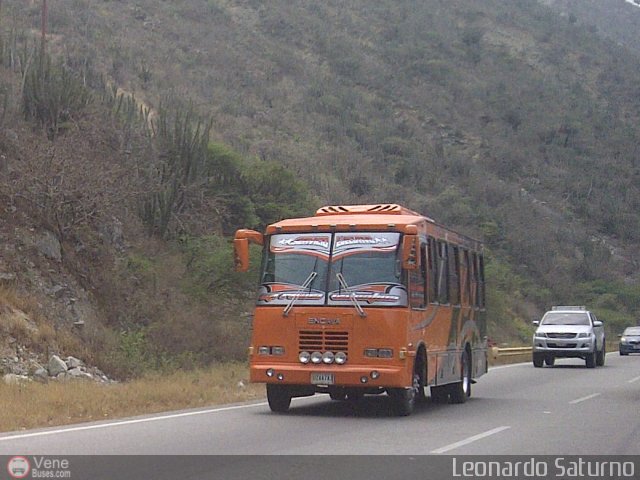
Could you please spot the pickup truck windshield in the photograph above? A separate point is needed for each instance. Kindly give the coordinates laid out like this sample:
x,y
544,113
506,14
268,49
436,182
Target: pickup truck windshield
x,y
367,261
569,318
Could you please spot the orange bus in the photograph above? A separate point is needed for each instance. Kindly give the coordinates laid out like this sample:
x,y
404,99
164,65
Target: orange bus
x,y
366,299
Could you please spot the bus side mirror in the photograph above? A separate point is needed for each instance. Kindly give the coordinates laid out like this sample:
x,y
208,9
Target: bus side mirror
x,y
241,254
241,247
410,252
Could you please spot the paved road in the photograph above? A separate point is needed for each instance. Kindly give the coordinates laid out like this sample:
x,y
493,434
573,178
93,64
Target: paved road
x,y
517,409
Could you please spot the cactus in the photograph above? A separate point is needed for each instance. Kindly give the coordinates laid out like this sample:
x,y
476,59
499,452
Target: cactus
x,y
52,95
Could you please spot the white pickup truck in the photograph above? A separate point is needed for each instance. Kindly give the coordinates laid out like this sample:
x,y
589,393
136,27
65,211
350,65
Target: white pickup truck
x,y
569,332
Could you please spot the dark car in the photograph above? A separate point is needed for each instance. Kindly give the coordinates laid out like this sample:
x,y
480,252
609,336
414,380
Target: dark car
x,y
630,341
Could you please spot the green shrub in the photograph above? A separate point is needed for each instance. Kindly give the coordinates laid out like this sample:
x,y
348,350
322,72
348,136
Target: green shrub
x,y
210,266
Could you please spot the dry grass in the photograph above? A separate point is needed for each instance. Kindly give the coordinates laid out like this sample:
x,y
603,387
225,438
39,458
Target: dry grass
x,y
34,405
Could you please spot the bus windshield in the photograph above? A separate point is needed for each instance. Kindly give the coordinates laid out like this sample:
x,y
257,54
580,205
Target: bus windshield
x,y
368,263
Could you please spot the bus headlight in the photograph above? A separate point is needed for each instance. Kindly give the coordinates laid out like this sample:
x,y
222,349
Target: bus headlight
x,y
316,357
341,358
304,357
328,357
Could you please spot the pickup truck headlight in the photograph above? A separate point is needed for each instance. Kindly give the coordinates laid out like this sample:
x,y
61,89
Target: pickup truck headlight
x,y
584,335
541,335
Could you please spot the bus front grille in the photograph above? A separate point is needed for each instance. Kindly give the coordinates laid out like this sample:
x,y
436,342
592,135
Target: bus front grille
x,y
323,341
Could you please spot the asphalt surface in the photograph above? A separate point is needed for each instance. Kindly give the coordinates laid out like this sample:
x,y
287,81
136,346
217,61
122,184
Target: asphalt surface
x,y
514,410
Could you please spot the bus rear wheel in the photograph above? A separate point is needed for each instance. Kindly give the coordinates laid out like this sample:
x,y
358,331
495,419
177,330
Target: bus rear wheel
x,y
440,394
338,394
279,398
460,391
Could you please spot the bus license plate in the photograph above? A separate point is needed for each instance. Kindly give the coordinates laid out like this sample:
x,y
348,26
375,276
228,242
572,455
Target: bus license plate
x,y
322,378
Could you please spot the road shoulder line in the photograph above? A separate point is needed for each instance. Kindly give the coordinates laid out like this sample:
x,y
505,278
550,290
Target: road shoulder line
x,y
133,421
584,399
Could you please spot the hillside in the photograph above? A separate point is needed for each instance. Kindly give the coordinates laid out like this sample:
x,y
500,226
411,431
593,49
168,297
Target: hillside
x,y
505,120
616,20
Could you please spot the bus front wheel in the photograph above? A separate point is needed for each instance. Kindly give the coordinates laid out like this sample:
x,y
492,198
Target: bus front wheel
x,y
279,397
404,400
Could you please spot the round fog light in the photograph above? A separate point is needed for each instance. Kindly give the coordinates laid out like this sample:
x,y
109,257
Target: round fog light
x,y
270,372
364,379
280,376
375,375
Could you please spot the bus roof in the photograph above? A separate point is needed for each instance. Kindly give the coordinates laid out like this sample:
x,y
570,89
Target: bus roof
x,y
379,217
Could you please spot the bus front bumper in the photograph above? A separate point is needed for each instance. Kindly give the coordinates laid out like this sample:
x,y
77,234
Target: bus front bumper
x,y
331,375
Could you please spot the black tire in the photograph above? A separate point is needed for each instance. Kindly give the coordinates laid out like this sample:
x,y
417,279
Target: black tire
x,y
601,355
624,354
420,377
550,360
460,391
339,395
404,400
440,394
354,397
590,359
538,359
279,398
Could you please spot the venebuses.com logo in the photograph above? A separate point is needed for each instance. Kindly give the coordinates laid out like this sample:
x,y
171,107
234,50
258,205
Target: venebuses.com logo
x,y
37,466
18,467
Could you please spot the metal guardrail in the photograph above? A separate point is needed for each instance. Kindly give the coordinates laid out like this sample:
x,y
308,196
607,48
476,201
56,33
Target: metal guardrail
x,y
509,351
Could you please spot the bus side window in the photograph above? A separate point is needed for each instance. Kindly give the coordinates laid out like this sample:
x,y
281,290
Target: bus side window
x,y
443,274
454,274
474,275
417,290
467,277
432,270
481,289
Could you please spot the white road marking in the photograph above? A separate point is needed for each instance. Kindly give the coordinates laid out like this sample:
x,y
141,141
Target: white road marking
x,y
511,365
469,440
632,2
588,397
129,422
633,380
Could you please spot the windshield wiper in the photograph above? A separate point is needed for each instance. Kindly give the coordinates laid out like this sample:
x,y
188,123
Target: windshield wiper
x,y
352,295
304,286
